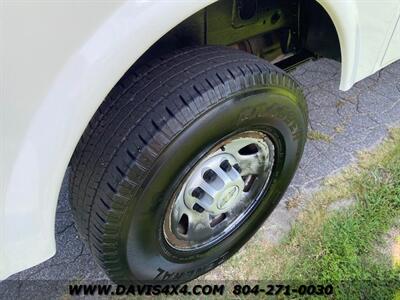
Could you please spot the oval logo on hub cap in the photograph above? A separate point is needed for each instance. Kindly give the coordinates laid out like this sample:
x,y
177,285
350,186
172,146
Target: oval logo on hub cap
x,y
228,195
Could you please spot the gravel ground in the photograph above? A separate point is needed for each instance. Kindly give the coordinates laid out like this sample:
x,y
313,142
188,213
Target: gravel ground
x,y
341,124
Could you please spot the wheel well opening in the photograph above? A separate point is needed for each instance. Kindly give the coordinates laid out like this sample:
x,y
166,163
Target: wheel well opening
x,y
284,32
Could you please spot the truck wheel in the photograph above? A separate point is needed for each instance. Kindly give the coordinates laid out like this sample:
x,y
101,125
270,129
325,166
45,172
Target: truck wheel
x,y
183,162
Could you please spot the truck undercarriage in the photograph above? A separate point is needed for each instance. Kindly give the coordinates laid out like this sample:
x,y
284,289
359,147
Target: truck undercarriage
x,y
285,33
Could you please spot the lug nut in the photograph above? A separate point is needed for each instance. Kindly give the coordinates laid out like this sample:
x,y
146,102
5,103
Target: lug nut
x,y
237,168
225,165
198,208
198,193
209,175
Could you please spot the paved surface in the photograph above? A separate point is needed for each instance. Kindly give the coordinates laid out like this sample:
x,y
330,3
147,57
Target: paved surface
x,y
342,123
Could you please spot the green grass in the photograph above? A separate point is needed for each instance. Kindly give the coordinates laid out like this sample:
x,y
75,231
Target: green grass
x,y
342,250
318,136
340,247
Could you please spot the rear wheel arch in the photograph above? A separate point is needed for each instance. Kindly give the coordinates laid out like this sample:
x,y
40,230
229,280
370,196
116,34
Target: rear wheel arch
x,y
335,29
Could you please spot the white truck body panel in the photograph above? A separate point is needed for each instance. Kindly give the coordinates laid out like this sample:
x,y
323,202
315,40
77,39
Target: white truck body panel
x,y
60,59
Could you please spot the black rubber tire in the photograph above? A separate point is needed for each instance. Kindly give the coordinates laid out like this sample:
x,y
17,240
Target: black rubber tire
x,y
150,128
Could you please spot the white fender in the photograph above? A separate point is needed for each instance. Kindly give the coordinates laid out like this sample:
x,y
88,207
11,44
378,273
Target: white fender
x,y
58,61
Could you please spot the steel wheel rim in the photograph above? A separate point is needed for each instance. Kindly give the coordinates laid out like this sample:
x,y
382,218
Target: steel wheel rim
x,y
219,192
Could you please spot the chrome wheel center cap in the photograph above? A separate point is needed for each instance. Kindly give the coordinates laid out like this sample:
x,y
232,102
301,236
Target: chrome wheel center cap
x,y
228,196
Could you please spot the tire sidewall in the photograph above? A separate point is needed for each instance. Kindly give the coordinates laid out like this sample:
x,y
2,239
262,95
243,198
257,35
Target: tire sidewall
x,y
274,110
